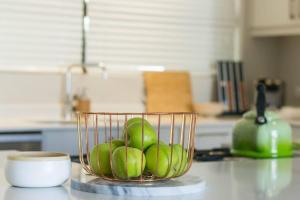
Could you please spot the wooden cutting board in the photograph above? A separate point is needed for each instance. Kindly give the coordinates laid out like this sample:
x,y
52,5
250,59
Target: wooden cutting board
x,y
168,92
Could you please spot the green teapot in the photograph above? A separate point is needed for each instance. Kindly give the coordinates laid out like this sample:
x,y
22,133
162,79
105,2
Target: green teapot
x,y
262,134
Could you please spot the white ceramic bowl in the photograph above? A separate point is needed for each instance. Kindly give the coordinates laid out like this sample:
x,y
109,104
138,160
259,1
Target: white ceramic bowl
x,y
37,169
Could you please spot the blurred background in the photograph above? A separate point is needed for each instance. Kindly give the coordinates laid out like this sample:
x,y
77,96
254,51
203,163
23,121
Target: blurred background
x,y
62,56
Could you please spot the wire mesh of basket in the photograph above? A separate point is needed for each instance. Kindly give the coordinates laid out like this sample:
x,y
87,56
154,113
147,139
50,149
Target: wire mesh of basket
x,y
136,147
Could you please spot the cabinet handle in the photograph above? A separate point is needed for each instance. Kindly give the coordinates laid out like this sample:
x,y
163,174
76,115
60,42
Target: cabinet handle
x,y
291,9
298,9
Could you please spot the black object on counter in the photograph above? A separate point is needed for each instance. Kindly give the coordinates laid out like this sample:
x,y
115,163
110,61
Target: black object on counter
x,y
76,159
217,154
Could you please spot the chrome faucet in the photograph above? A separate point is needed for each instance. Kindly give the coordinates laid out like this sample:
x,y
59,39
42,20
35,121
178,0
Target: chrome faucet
x,y
68,100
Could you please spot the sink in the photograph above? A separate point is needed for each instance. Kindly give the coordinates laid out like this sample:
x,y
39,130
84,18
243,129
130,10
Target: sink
x,y
65,122
58,121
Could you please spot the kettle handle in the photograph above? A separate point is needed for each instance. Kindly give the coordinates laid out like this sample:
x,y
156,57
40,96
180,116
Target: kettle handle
x,y
260,104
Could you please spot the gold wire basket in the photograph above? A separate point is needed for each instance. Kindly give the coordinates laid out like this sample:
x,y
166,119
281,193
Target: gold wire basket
x,y
136,147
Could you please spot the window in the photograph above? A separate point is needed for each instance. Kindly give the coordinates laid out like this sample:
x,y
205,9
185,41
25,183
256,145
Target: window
x,y
39,33
124,34
176,34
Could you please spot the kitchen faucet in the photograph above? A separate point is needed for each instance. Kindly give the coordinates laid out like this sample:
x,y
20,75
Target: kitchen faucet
x,y
68,101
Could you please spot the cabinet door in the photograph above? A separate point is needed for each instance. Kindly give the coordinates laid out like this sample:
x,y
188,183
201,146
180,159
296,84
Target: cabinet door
x,y
211,141
272,13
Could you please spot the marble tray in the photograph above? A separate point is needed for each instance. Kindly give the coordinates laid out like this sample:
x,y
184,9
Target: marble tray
x,y
184,185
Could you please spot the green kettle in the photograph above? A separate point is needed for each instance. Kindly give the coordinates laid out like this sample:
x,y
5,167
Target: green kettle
x,y
262,134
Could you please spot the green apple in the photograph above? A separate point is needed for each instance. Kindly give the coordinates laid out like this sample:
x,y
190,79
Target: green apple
x,y
134,162
137,120
160,142
134,136
100,157
118,142
182,164
164,167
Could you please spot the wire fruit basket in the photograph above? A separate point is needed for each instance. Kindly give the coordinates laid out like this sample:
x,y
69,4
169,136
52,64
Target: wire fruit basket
x,y
136,147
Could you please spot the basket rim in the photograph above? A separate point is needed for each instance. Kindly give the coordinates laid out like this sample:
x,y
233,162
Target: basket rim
x,y
137,113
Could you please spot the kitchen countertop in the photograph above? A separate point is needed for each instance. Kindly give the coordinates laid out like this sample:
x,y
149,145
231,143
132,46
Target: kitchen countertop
x,y
16,124
21,124
228,180
57,135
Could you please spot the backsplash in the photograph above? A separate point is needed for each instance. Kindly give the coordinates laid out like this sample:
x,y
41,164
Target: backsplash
x,y
289,69
40,95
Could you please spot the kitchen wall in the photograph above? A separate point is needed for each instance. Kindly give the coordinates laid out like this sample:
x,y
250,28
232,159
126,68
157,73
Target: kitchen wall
x,y
274,57
289,69
260,55
40,95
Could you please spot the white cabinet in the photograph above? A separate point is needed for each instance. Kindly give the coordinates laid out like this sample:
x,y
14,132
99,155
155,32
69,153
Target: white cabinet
x,y
60,140
206,137
296,133
66,140
213,136
275,17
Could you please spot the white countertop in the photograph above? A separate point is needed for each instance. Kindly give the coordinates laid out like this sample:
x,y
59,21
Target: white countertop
x,y
19,124
60,136
229,180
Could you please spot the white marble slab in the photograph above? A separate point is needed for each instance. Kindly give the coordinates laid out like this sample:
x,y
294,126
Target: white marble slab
x,y
184,185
